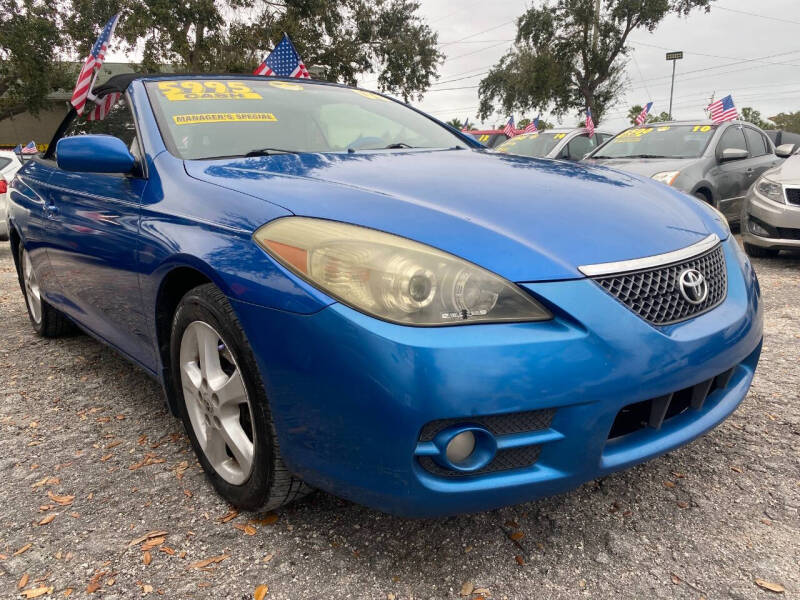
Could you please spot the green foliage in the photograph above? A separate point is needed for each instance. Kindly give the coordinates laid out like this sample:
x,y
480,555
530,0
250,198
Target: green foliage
x,y
558,65
753,116
634,111
30,41
457,123
342,38
787,121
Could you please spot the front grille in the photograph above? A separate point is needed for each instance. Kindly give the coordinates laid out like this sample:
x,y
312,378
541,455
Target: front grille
x,y
653,412
785,233
793,196
532,420
653,293
504,460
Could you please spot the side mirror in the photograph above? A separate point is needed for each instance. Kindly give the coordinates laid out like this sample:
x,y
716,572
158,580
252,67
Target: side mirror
x,y
784,150
94,154
733,154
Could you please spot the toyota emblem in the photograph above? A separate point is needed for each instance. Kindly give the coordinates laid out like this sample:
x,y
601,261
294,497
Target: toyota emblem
x,y
693,286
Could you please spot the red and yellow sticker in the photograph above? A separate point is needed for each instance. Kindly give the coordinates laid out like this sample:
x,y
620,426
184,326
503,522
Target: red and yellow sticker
x,y
243,117
196,89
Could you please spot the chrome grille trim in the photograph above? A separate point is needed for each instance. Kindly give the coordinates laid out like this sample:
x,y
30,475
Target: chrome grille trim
x,y
647,262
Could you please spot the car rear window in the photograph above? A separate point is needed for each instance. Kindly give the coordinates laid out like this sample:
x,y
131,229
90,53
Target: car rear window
x,y
208,118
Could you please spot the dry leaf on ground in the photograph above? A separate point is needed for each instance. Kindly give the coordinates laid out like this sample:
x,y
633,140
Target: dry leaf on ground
x,y
147,558
269,519
23,581
62,500
200,564
247,529
261,592
25,548
147,536
517,536
768,585
153,543
47,519
467,588
229,516
37,592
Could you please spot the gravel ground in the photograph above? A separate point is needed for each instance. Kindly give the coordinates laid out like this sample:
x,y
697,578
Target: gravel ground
x,y
90,461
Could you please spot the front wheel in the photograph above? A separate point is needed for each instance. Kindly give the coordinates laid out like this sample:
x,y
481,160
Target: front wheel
x,y
224,407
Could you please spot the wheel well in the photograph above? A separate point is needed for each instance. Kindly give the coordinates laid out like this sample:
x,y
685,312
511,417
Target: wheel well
x,y
14,240
174,287
705,192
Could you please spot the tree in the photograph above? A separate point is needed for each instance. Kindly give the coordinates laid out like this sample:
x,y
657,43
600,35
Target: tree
x,y
457,123
565,59
342,38
30,40
634,111
787,121
751,115
523,123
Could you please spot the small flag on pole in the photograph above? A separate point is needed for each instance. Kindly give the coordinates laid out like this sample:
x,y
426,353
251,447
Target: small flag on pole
x,y
722,110
642,117
30,148
283,61
103,106
91,66
18,149
465,126
589,122
509,129
533,126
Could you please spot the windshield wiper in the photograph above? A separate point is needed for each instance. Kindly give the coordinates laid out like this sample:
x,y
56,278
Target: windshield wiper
x,y
270,151
638,156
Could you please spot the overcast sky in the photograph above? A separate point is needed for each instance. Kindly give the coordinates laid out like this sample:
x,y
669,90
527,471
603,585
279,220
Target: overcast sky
x,y
718,47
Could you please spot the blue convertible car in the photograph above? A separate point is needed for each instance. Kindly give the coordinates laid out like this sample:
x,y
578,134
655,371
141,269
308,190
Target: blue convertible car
x,y
333,294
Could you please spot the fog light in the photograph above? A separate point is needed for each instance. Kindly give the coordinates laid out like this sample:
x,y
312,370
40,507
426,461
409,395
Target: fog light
x,y
757,229
460,447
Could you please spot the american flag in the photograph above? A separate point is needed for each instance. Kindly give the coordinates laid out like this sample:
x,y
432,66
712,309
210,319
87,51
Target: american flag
x,y
533,126
283,61
30,148
589,122
722,110
465,126
92,65
103,106
509,129
643,115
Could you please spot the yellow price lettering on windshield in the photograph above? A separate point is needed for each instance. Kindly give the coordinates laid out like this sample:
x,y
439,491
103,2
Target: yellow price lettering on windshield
x,y
484,138
285,85
195,89
702,128
559,136
666,128
370,95
259,117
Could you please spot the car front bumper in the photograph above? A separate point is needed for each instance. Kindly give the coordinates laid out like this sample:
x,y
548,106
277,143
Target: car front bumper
x,y
351,395
781,222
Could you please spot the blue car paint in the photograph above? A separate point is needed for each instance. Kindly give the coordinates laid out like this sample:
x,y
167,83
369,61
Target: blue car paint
x,y
94,154
350,393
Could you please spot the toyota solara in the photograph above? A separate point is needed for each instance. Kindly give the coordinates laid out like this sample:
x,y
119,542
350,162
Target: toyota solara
x,y
333,294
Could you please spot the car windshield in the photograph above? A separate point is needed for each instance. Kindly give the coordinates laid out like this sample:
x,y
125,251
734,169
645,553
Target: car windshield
x,y
207,118
531,144
659,141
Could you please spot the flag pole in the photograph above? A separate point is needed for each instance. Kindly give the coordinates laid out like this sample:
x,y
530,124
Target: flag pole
x,y
90,95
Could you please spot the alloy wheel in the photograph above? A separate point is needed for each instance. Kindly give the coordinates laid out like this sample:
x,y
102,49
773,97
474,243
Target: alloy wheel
x,y
32,292
217,402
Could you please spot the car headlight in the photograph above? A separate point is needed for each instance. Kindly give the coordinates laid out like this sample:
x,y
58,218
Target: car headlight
x,y
394,278
666,176
771,190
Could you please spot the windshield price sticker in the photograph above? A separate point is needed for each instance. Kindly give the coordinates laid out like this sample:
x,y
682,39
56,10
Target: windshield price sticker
x,y
369,95
285,85
175,91
701,128
224,118
559,136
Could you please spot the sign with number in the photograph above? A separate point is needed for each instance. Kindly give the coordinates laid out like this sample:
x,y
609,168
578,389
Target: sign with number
x,y
678,55
195,89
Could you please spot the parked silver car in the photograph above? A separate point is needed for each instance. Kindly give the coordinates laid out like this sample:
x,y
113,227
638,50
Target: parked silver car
x,y
716,163
567,144
771,211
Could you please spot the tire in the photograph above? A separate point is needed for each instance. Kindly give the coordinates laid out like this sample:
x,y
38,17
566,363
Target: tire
x,y
218,408
46,320
759,252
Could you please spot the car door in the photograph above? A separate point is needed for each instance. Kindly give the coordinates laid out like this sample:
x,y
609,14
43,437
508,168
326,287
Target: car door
x,y
92,242
731,177
762,155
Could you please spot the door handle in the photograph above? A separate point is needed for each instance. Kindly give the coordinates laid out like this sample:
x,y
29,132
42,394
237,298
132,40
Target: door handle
x,y
51,211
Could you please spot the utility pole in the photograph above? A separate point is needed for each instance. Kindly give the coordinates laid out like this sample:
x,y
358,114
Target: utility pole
x,y
674,57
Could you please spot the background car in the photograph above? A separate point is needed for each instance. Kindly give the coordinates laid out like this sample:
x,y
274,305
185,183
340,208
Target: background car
x,y
716,163
488,137
771,211
9,165
567,144
780,137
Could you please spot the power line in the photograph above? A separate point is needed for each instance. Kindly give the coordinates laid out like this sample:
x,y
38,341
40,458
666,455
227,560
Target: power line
x,y
749,14
479,33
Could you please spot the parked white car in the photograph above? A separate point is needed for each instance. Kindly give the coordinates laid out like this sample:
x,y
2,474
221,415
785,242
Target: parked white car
x,y
9,165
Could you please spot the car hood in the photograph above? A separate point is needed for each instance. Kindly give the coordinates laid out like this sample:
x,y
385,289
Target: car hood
x,y
525,219
644,166
788,172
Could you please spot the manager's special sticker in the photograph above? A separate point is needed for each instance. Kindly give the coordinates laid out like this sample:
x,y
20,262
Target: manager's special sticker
x,y
242,117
